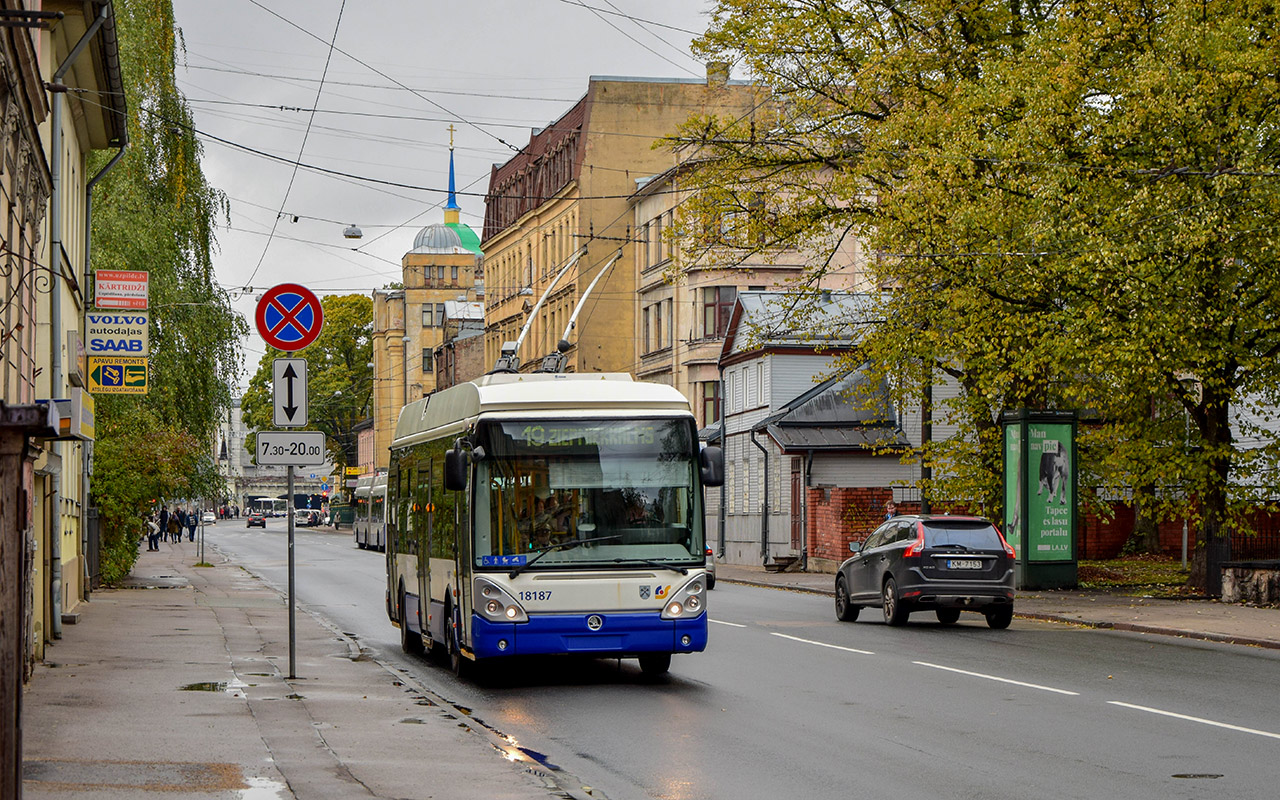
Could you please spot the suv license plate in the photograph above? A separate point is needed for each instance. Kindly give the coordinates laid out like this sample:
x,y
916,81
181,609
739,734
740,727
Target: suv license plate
x,y
963,563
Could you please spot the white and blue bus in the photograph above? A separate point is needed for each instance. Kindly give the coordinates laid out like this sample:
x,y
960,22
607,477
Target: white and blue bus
x,y
371,512
546,513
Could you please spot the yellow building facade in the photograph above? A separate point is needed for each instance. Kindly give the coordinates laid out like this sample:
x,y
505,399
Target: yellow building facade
x,y
569,188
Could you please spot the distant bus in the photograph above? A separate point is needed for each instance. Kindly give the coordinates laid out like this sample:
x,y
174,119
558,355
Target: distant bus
x,y
360,502
270,506
370,529
549,513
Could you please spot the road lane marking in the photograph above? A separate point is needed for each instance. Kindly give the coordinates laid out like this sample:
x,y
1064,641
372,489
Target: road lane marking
x,y
996,678
1201,720
722,622
824,644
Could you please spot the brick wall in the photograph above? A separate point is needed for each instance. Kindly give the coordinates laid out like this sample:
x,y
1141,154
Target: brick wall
x,y
838,516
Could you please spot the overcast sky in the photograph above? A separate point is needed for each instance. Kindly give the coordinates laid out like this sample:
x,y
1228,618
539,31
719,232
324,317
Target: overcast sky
x,y
495,69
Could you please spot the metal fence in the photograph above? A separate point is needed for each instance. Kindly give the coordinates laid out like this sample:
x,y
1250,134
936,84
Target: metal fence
x,y
1261,545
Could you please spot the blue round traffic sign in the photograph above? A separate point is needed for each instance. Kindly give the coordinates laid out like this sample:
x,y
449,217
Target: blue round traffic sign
x,y
289,317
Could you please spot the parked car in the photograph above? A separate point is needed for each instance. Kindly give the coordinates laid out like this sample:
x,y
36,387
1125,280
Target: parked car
x,y
302,517
209,518
256,518
946,564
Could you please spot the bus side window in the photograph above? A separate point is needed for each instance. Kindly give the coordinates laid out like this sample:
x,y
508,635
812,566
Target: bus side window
x,y
421,503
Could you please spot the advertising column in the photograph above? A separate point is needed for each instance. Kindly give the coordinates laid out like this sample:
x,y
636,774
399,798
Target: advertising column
x,y
1040,497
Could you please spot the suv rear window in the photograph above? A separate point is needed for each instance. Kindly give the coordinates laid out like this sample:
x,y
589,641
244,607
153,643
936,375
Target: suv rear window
x,y
975,535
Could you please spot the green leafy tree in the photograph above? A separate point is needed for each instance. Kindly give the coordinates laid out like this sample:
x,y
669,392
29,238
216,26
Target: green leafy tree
x,y
156,212
339,377
1072,202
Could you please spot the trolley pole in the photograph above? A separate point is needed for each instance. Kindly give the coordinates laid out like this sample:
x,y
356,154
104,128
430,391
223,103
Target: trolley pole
x,y
293,673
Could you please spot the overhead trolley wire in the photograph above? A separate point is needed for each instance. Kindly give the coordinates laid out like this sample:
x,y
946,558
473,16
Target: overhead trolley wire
x,y
301,148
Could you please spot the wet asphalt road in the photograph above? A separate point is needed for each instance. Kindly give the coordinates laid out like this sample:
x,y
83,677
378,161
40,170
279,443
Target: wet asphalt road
x,y
788,702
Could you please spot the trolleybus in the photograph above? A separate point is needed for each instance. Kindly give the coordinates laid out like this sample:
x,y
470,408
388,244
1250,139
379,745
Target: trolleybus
x,y
548,513
370,527
360,500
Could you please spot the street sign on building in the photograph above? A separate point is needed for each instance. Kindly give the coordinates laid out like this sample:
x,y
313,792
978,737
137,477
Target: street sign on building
x,y
290,448
289,392
120,288
116,333
289,317
117,375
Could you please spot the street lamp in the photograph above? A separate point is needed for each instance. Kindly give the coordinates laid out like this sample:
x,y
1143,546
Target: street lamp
x,y
352,232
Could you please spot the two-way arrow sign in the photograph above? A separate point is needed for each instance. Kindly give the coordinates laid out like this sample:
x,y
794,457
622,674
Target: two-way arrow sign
x,y
289,392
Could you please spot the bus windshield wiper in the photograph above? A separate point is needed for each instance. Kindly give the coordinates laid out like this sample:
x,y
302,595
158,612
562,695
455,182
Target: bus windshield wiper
x,y
569,545
661,564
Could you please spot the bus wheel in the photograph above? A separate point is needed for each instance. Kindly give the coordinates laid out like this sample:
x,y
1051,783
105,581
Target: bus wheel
x,y
655,663
410,642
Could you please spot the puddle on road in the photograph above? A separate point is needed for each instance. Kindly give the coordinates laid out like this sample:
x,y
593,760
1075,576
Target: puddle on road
x,y
232,687
263,789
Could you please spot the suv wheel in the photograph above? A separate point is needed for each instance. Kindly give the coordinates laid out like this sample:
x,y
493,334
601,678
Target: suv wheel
x,y
999,617
845,610
895,610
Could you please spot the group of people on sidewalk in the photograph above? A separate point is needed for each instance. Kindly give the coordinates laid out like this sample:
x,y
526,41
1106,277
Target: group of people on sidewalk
x,y
169,524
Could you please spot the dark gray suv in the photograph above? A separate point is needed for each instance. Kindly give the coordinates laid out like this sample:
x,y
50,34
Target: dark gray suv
x,y
923,562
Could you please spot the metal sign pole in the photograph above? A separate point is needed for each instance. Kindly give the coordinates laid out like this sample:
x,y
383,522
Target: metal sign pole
x,y
293,673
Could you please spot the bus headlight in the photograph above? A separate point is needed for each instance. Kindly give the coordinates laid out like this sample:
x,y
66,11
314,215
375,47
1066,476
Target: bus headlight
x,y
689,602
496,604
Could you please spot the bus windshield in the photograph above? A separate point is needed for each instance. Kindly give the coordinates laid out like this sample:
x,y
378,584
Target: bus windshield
x,y
626,488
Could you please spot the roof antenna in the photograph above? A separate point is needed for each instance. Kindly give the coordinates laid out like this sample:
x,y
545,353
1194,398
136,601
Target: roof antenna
x,y
509,361
555,362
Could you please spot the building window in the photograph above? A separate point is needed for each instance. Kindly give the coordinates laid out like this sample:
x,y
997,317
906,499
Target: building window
x,y
656,227
428,318
710,403
440,312
453,272
717,305
426,361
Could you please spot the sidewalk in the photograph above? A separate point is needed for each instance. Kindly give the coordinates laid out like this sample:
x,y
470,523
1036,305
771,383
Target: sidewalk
x,y
1192,619
178,684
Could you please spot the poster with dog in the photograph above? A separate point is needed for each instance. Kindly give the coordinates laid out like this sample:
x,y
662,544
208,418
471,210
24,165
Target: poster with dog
x,y
1050,491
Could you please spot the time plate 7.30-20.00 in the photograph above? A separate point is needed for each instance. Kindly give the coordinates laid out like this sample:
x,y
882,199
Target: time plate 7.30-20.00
x,y
291,448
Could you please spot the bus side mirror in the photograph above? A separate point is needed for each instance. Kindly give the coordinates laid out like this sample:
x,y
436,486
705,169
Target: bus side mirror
x,y
711,465
455,469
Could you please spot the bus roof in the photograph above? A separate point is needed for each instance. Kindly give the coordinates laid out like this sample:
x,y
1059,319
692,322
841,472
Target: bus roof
x,y
452,410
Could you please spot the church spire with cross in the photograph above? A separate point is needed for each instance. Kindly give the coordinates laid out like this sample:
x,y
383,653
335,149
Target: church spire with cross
x,y
452,210
453,235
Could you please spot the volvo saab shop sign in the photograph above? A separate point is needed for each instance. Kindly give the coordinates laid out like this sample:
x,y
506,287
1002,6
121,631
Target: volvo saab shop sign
x,y
116,333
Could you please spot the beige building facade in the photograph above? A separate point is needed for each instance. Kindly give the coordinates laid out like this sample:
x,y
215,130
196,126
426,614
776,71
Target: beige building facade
x,y
682,316
569,188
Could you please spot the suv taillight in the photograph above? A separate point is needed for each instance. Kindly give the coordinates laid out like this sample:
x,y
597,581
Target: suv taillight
x,y
916,547
1008,548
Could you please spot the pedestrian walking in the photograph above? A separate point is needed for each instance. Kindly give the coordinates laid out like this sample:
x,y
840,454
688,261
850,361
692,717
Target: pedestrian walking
x,y
193,516
174,533
163,524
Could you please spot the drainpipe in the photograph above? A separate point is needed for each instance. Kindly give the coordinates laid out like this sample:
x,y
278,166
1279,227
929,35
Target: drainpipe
x,y
724,443
57,89
764,515
86,283
804,504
